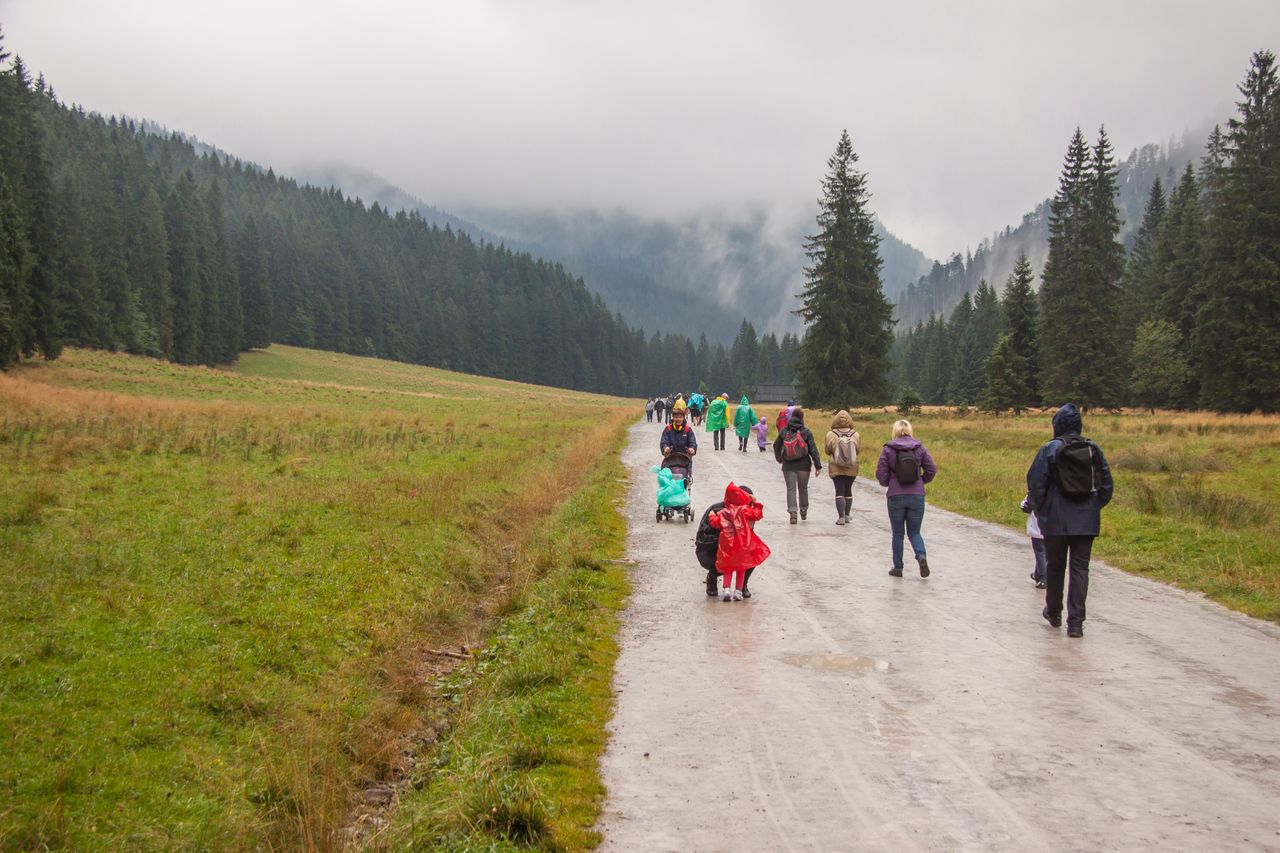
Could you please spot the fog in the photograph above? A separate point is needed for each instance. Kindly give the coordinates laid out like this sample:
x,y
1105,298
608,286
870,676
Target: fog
x,y
960,112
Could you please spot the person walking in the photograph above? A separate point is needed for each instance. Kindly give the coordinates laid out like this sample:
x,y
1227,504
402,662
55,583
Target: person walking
x,y
743,420
1068,484
843,442
658,405
648,410
798,452
904,467
718,420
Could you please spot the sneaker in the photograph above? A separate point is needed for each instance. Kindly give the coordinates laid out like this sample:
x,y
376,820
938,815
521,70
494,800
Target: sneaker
x,y
1075,630
895,573
1033,578
793,519
1055,621
1039,584
727,595
804,513
924,566
746,593
712,591
737,595
840,520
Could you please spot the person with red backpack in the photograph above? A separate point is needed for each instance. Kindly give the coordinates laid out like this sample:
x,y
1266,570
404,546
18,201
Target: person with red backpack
x,y
904,467
1068,484
797,451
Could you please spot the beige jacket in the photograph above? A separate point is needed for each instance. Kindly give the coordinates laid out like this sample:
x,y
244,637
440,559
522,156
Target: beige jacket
x,y
842,425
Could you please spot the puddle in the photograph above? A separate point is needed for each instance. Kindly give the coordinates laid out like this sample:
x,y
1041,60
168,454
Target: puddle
x,y
856,664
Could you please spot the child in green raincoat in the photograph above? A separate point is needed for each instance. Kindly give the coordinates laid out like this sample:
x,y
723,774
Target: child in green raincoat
x,y
718,420
743,420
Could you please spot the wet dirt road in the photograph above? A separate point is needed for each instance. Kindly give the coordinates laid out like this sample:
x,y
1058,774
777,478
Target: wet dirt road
x,y
841,709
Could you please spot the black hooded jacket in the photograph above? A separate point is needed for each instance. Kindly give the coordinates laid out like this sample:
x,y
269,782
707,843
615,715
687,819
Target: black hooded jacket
x,y
1058,514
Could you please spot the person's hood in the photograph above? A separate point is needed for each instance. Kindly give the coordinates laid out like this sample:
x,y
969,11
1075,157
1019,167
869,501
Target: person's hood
x,y
904,442
796,418
763,421
744,400
842,420
735,496
1067,421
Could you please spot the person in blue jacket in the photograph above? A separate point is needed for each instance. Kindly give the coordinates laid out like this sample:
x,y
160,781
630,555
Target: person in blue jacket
x,y
678,437
1069,524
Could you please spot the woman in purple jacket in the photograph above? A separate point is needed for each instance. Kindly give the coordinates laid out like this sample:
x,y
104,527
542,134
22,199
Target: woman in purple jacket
x,y
905,466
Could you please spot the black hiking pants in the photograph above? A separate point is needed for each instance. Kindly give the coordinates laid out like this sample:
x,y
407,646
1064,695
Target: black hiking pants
x,y
1067,556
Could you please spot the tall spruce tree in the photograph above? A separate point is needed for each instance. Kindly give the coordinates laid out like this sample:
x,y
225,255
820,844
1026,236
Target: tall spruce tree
x,y
1236,339
1079,297
843,358
1139,286
1021,320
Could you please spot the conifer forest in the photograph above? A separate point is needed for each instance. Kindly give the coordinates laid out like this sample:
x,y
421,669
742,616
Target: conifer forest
x,y
115,235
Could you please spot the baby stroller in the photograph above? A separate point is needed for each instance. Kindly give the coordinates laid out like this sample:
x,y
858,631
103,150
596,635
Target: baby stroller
x,y
681,467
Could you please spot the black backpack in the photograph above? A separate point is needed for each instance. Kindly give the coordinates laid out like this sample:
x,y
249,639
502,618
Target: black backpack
x,y
1075,467
907,467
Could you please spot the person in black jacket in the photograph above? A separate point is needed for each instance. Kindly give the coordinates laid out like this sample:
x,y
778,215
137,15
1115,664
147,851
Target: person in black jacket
x,y
796,471
1069,524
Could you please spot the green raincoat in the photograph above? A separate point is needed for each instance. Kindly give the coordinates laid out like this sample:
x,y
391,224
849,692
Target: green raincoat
x,y
744,418
717,417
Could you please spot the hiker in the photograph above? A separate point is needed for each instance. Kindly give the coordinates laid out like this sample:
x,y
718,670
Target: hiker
x,y
648,410
743,419
677,437
843,442
718,420
706,544
798,452
905,466
762,434
658,405
1037,544
739,551
1068,484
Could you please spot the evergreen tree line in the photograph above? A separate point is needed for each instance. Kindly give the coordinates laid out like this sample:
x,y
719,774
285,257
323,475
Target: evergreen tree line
x,y
1189,317
115,237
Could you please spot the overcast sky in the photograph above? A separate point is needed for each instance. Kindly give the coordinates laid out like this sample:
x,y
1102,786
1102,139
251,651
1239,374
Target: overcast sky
x,y
960,111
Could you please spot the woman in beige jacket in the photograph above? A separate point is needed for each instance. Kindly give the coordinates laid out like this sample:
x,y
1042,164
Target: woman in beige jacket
x,y
843,442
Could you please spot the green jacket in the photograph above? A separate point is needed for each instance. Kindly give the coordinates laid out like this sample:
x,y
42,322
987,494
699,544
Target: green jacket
x,y
744,418
716,415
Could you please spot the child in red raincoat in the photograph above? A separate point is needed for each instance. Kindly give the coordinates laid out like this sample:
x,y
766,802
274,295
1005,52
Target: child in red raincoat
x,y
739,549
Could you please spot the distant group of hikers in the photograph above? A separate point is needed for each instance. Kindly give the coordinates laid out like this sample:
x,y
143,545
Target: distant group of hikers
x,y
1068,483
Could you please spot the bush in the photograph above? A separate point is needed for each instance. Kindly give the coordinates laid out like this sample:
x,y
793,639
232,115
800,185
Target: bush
x,y
909,401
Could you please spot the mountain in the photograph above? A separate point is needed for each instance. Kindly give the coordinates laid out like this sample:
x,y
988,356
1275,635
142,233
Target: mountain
x,y
942,287
697,275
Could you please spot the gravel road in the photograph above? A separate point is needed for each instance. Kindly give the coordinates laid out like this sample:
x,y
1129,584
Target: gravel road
x,y
841,709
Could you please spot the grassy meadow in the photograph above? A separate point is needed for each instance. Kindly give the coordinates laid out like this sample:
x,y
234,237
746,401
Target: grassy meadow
x,y
235,602
1197,500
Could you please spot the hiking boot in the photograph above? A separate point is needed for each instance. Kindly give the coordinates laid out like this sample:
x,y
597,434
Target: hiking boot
x,y
1055,620
793,519
895,573
924,566
804,513
1075,630
746,593
1039,584
840,519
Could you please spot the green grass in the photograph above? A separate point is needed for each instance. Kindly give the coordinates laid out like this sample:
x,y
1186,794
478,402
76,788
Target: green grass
x,y
218,585
1197,499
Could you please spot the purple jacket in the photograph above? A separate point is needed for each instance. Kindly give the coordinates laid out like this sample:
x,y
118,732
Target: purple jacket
x,y
889,457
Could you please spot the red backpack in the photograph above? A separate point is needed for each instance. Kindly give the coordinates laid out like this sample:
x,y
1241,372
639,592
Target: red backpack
x,y
781,423
794,446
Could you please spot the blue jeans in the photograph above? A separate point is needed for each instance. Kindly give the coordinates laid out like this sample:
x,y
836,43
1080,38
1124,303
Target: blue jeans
x,y
906,511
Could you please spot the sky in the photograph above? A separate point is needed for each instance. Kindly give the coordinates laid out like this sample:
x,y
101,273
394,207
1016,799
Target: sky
x,y
960,112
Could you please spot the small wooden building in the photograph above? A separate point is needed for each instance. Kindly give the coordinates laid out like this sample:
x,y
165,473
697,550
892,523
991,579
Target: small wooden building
x,y
774,393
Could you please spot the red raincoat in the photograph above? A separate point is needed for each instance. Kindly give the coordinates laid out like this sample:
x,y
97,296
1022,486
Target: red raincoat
x,y
740,548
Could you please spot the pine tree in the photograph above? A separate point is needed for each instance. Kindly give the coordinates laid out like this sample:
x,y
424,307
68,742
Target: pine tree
x,y
843,359
742,358
1236,339
1079,296
1020,312
1139,286
1006,372
1159,371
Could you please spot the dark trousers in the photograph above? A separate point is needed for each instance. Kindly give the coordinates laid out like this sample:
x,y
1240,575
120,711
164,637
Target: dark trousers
x,y
717,437
1065,554
742,443
1037,548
